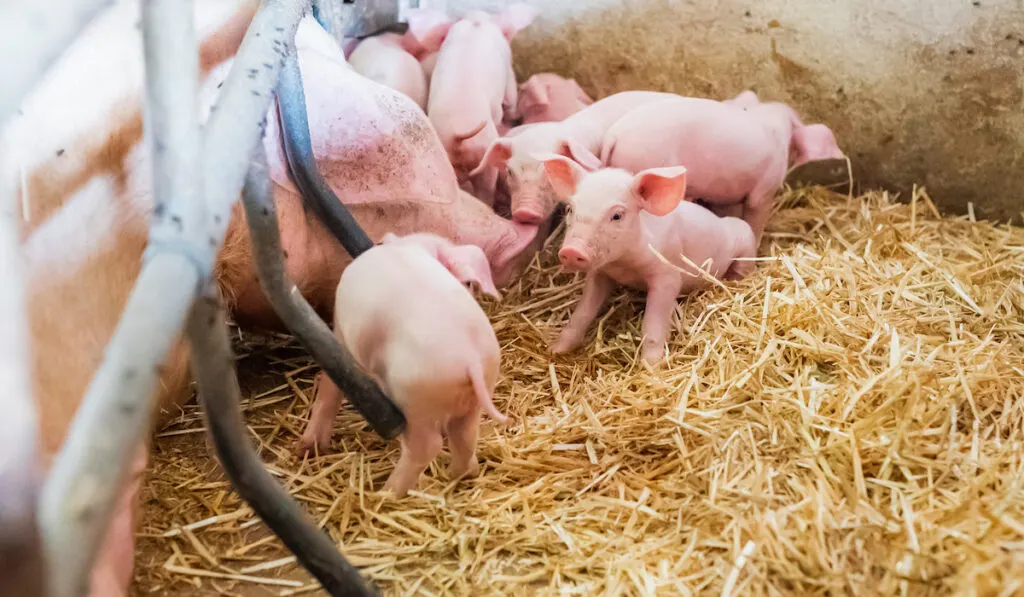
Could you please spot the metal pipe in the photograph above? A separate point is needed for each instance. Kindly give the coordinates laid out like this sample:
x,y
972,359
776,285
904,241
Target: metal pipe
x,y
300,318
37,33
371,17
77,498
21,554
90,471
213,364
317,196
331,16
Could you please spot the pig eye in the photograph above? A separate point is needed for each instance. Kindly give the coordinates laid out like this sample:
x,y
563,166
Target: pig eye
x,y
616,217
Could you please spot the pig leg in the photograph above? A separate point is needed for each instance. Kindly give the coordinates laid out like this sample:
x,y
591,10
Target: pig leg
x,y
758,207
746,249
421,443
662,295
321,422
596,291
112,573
462,436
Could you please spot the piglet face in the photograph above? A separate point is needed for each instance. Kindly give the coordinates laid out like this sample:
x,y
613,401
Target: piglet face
x,y
533,198
603,221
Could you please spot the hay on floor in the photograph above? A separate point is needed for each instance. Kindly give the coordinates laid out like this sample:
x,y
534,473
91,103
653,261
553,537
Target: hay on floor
x,y
848,420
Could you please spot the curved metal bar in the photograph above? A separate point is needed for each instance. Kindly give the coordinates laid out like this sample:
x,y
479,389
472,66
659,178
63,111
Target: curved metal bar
x,y
317,196
213,364
379,411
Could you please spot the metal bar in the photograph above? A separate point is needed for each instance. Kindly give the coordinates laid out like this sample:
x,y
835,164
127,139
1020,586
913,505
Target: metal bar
x,y
37,33
90,471
21,553
331,16
370,17
213,364
300,318
317,195
77,498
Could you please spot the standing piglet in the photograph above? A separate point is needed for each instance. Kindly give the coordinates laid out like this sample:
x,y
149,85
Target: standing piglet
x,y
473,88
547,97
614,220
402,309
737,152
386,60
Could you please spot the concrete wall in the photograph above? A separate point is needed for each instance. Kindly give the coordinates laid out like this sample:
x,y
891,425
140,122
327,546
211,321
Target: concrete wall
x,y
918,92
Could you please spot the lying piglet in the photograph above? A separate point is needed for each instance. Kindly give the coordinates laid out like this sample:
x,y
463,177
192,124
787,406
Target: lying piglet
x,y
578,136
402,310
737,153
547,97
473,88
386,60
614,219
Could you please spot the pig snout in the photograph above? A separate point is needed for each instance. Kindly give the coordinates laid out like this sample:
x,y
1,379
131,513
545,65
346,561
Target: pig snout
x,y
527,215
574,258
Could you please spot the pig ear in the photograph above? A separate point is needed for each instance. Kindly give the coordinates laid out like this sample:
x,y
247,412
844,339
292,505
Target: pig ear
x,y
563,173
525,233
581,95
533,96
517,17
389,237
428,28
496,155
814,142
469,264
746,99
573,149
660,190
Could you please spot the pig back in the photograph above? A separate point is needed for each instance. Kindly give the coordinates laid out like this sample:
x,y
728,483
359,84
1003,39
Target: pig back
x,y
402,313
372,144
725,149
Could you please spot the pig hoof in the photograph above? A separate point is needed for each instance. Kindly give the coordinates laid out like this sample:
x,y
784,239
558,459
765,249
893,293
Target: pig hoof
x,y
653,355
563,346
312,444
459,472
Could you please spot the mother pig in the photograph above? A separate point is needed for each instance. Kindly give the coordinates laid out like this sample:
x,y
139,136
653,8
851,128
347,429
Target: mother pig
x,y
84,175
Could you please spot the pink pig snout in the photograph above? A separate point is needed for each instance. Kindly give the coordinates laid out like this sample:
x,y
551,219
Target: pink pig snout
x,y
573,258
527,215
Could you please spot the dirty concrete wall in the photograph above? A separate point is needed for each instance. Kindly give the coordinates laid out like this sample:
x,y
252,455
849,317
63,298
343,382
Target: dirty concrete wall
x,y
927,92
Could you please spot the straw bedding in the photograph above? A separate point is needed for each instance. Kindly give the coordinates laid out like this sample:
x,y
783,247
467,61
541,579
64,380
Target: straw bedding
x,y
848,420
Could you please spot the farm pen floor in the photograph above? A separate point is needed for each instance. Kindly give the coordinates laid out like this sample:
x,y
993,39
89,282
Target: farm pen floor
x,y
848,420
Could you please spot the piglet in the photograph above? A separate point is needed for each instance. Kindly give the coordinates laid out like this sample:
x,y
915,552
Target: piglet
x,y
473,88
613,221
404,311
578,136
547,97
386,60
737,152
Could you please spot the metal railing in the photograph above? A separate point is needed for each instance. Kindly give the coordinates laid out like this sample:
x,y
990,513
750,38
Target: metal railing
x,y
56,547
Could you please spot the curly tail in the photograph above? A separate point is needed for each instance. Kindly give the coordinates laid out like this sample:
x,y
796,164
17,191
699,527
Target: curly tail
x,y
483,395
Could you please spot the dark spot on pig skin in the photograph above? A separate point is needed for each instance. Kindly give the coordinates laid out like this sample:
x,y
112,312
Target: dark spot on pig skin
x,y
284,253
217,218
130,374
252,73
60,152
746,13
970,51
213,242
219,85
159,210
256,93
267,65
177,222
976,3
279,29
